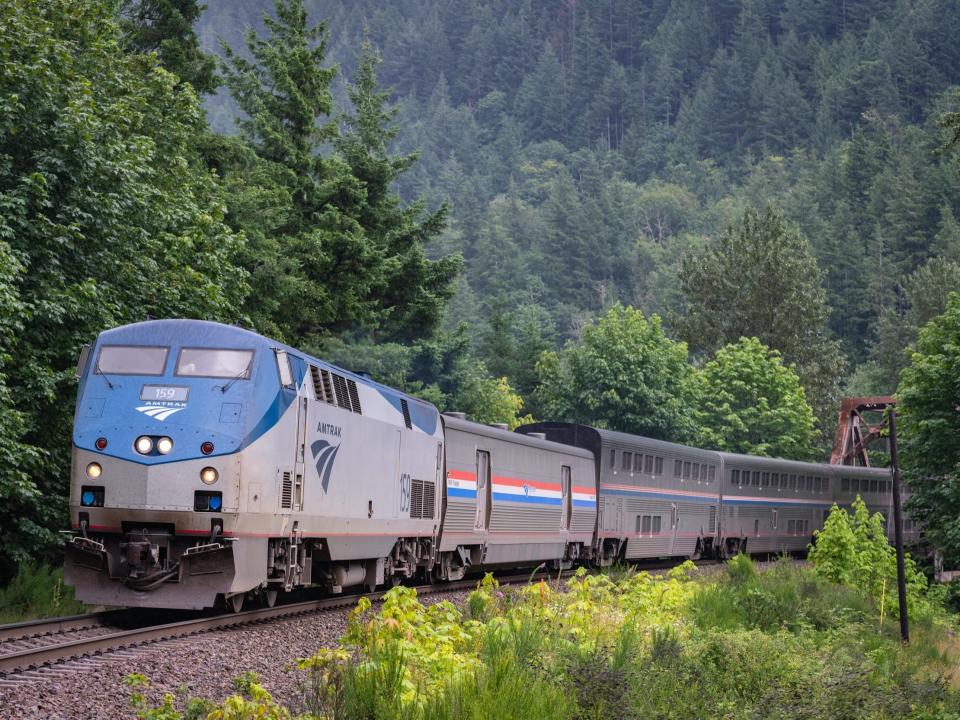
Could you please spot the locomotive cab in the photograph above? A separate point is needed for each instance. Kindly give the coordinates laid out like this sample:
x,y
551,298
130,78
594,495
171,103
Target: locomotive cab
x,y
163,410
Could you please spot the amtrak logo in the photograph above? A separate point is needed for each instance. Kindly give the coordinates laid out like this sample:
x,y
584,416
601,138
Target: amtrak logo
x,y
158,412
324,454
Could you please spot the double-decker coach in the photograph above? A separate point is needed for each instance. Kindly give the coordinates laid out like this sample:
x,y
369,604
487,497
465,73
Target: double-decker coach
x,y
656,498
772,505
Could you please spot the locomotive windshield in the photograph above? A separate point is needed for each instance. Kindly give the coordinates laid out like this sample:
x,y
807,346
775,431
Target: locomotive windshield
x,y
208,362
131,360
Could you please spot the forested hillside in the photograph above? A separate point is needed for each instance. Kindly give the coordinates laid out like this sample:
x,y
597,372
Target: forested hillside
x,y
586,147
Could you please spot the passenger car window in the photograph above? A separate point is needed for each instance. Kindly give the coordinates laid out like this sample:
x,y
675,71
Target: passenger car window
x,y
214,363
131,360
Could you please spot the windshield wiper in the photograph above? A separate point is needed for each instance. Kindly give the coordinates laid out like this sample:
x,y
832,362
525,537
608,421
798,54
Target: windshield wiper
x,y
224,388
102,374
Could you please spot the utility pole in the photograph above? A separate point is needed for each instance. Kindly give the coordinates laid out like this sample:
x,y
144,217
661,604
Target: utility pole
x,y
898,527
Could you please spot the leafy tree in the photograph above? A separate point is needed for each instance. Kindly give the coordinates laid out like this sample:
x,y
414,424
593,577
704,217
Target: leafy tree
x,y
625,374
107,215
166,27
749,402
760,279
929,430
852,549
489,400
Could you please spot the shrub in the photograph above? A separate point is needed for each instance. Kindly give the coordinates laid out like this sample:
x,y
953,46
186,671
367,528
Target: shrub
x,y
741,569
37,592
852,549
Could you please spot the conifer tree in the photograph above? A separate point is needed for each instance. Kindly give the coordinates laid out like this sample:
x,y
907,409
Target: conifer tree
x,y
166,27
356,254
760,279
413,289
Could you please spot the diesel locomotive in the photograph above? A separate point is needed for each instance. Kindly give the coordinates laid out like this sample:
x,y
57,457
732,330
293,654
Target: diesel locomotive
x,y
213,464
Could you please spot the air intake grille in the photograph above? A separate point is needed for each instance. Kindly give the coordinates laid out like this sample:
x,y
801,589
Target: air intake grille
x,y
322,386
354,397
713,520
286,492
343,395
422,494
406,413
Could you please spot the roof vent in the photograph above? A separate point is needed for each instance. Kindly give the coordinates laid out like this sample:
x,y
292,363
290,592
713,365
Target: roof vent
x,y
500,426
457,415
542,436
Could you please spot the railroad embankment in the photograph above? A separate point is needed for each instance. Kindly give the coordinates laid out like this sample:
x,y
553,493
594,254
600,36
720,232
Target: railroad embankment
x,y
816,640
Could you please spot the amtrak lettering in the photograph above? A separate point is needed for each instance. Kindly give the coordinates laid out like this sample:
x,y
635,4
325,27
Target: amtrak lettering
x,y
160,410
328,429
324,454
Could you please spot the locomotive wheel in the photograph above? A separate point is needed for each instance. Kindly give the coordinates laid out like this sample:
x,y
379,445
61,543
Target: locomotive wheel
x,y
235,602
270,598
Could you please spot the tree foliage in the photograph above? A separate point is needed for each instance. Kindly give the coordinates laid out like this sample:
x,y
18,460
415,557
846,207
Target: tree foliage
x,y
166,28
760,279
341,248
107,216
853,550
928,406
625,374
749,402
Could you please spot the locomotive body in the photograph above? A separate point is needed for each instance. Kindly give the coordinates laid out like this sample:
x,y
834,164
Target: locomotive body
x,y
211,461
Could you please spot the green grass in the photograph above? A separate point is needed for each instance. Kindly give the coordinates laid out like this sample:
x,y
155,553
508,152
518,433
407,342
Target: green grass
x,y
37,592
736,645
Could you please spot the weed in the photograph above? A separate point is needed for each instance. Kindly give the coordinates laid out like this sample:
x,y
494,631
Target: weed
x,y
37,592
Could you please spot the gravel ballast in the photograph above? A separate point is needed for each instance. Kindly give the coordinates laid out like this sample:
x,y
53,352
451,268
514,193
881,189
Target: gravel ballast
x,y
200,666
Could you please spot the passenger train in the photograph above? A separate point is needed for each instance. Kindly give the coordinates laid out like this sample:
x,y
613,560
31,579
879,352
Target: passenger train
x,y
211,464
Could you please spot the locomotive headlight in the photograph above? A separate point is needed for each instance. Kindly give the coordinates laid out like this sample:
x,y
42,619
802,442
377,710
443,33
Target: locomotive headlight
x,y
143,445
209,475
164,445
94,471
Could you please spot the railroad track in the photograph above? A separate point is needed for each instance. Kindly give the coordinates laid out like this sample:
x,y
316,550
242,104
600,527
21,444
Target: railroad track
x,y
40,644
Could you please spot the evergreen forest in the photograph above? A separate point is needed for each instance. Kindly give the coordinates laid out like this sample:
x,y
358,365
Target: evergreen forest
x,y
585,149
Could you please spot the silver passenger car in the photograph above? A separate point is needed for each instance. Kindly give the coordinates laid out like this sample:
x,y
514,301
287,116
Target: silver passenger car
x,y
657,499
513,499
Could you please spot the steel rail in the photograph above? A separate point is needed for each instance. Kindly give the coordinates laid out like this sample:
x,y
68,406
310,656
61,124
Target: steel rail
x,y
53,653
53,626
50,654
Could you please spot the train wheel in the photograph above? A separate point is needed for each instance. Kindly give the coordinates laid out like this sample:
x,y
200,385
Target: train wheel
x,y
698,552
235,602
270,598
